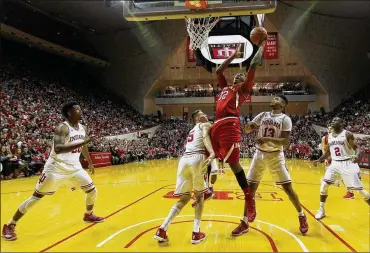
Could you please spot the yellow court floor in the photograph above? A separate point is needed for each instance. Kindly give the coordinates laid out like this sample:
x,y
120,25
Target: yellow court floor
x,y
135,199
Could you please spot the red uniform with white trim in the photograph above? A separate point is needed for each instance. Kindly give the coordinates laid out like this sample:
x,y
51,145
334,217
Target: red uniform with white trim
x,y
226,133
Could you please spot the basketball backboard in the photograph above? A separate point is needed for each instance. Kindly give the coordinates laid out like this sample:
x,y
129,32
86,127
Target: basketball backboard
x,y
146,10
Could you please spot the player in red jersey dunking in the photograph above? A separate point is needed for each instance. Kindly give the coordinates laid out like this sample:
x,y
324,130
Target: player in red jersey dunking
x,y
226,133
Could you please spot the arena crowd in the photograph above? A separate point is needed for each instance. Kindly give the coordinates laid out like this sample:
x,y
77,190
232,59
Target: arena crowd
x,y
30,106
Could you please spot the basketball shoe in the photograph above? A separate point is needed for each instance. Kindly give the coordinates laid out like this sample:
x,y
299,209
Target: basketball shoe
x,y
93,218
9,232
349,195
241,229
161,235
303,225
198,237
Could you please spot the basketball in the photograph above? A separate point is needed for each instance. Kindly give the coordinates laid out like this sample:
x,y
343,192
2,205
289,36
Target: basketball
x,y
258,35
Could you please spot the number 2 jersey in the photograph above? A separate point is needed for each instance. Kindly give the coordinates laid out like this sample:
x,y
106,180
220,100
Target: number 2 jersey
x,y
271,125
67,162
340,149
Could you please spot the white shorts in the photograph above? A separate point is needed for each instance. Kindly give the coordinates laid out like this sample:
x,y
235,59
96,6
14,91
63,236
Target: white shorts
x,y
347,170
190,174
214,167
49,181
274,162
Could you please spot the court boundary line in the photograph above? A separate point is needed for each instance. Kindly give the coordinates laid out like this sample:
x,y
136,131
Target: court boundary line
x,y
106,217
330,230
326,227
269,238
300,243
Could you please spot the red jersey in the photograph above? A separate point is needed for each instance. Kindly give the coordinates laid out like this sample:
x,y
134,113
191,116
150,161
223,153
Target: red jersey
x,y
230,98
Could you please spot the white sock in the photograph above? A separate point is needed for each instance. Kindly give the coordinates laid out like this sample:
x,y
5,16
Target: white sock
x,y
245,219
89,212
322,205
196,226
301,213
173,213
12,222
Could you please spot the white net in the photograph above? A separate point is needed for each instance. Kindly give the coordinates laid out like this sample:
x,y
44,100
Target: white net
x,y
198,29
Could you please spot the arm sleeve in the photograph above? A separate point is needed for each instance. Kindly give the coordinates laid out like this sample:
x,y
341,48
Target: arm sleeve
x,y
221,79
258,118
287,124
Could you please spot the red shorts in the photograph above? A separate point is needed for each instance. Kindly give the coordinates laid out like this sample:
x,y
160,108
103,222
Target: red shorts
x,y
226,137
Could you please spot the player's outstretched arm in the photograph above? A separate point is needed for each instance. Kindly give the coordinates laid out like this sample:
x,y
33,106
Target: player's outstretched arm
x,y
220,70
206,129
61,132
248,83
352,142
323,157
85,153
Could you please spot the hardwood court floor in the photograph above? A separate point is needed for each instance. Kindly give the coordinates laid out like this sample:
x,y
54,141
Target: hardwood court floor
x,y
135,199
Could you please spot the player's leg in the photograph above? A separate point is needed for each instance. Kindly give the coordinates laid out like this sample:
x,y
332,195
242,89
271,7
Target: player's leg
x,y
200,188
46,185
331,175
230,153
254,177
351,175
278,170
82,178
184,186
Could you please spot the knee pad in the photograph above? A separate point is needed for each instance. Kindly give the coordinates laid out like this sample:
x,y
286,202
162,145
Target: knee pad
x,y
324,188
91,197
26,205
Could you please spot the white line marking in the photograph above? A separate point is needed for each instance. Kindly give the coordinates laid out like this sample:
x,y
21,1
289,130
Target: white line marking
x,y
336,228
301,244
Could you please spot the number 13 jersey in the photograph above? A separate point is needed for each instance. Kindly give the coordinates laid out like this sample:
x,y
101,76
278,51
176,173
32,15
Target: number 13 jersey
x,y
271,125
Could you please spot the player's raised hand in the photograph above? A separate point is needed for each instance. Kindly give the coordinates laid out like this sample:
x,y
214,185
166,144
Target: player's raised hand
x,y
238,51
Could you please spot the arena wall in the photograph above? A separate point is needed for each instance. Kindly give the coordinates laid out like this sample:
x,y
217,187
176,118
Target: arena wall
x,y
137,56
332,48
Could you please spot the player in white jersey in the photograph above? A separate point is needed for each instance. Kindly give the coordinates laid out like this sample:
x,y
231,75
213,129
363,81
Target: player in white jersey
x,y
274,129
70,140
190,176
344,154
324,147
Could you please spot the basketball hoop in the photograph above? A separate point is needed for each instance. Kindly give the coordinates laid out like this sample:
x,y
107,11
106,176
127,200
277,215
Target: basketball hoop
x,y
198,29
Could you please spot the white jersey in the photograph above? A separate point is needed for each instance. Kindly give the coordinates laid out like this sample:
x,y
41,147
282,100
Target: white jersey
x,y
67,162
340,149
195,140
271,125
